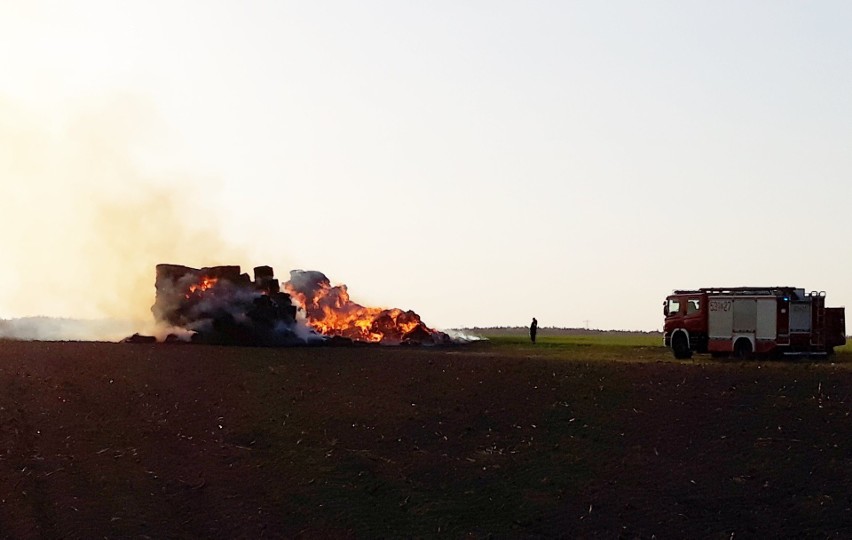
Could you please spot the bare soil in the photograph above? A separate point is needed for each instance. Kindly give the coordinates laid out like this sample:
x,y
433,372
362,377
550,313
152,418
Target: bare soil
x,y
170,441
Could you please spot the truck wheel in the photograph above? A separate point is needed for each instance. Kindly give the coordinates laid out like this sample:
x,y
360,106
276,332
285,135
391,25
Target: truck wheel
x,y
680,347
742,349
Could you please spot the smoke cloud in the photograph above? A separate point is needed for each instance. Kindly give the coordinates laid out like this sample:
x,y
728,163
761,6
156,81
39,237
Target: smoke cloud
x,y
61,329
88,214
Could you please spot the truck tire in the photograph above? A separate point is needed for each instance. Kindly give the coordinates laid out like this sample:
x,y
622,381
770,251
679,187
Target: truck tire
x,y
680,347
742,349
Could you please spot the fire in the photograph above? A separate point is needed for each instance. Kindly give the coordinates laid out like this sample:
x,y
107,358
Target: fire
x,y
203,285
222,305
331,312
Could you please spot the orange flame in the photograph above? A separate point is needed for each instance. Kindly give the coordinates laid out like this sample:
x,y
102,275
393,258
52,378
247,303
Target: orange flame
x,y
331,313
205,284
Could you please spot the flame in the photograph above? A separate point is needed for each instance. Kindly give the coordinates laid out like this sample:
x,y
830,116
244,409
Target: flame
x,y
331,312
205,284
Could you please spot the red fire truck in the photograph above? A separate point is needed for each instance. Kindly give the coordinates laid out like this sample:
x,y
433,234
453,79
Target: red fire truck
x,y
745,321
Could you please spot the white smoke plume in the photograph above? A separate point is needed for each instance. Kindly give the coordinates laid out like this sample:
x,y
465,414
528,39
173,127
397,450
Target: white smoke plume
x,y
58,329
462,336
85,220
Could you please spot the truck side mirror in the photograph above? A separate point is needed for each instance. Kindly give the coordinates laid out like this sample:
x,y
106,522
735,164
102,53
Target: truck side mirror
x,y
665,309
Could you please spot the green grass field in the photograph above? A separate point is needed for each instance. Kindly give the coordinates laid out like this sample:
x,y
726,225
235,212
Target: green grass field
x,y
569,341
596,344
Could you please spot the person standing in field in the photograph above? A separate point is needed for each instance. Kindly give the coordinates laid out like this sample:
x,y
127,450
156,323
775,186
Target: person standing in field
x,y
533,329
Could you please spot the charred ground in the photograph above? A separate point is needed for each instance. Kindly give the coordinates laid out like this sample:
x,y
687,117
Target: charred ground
x,y
561,439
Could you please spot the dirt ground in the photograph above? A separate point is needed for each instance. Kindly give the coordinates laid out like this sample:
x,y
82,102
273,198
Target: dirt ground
x,y
159,441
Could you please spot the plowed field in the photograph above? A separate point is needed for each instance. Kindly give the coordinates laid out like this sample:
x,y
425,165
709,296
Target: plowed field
x,y
510,440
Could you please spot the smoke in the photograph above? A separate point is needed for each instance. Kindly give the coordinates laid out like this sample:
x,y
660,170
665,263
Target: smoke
x,y
57,329
89,210
302,330
462,336
229,301
314,285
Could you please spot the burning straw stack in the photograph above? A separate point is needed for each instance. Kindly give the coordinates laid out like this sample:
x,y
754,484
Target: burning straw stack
x,y
220,305
223,306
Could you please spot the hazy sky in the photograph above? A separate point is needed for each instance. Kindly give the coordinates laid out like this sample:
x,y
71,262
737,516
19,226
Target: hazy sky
x,y
479,162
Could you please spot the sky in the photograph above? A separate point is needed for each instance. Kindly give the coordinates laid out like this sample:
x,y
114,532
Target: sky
x,y
479,162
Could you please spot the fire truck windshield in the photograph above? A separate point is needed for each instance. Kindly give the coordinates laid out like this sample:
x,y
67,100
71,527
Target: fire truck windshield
x,y
674,307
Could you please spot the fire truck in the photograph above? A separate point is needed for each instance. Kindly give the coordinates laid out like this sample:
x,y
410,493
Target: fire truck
x,y
748,321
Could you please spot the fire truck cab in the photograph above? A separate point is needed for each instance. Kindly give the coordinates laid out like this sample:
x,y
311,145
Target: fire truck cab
x,y
747,321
